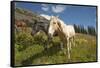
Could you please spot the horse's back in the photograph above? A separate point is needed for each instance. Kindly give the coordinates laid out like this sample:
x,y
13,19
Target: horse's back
x,y
69,30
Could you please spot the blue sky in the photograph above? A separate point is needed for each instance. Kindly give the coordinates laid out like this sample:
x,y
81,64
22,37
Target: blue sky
x,y
80,15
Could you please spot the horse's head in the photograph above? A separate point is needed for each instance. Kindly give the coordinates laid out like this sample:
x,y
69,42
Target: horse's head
x,y
54,25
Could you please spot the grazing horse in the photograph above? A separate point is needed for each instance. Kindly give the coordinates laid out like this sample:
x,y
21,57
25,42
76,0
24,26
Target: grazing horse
x,y
65,32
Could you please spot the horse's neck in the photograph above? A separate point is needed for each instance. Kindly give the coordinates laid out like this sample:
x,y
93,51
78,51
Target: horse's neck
x,y
61,34
62,23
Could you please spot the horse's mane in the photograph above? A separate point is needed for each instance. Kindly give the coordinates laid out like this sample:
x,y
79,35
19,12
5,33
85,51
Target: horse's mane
x,y
61,23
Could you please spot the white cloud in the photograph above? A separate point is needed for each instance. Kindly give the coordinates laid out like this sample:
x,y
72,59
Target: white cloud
x,y
53,8
58,8
45,16
44,7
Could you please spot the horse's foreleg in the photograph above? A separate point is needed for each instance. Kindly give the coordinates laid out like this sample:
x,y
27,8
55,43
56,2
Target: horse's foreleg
x,y
63,46
68,48
47,43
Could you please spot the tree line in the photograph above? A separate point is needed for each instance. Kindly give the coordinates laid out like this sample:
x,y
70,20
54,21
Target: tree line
x,y
85,30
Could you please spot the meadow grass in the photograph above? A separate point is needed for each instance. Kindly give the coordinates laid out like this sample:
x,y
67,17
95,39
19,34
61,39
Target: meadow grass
x,y
30,50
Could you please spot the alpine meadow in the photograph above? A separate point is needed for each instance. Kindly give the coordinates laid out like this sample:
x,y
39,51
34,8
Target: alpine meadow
x,y
30,50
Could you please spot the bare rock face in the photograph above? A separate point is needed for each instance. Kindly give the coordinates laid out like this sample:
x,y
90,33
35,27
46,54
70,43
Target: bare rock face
x,y
29,17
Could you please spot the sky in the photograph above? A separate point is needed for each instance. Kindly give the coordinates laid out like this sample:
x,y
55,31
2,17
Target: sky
x,y
70,14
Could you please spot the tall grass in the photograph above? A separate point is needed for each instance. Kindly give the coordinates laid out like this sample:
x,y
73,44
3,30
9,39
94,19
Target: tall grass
x,y
30,50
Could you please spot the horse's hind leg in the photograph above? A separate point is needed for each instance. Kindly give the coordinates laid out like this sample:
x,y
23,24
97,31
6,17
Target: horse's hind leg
x,y
70,43
73,41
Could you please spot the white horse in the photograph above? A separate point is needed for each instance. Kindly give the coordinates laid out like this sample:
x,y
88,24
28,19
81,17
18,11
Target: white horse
x,y
65,32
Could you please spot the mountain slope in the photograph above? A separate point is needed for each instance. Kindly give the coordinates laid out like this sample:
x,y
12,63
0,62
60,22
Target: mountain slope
x,y
29,17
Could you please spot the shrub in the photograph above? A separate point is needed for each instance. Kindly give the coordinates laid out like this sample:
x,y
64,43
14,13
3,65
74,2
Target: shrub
x,y
23,40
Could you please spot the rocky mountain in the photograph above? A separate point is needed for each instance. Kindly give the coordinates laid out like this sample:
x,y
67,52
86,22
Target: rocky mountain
x,y
29,17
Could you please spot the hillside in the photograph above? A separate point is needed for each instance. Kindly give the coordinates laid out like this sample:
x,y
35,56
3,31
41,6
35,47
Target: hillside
x,y
29,17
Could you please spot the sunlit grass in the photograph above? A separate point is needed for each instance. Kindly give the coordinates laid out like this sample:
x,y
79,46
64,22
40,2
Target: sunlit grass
x,y
32,52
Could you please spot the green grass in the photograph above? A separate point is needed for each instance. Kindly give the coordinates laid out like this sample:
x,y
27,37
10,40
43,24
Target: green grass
x,y
30,50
